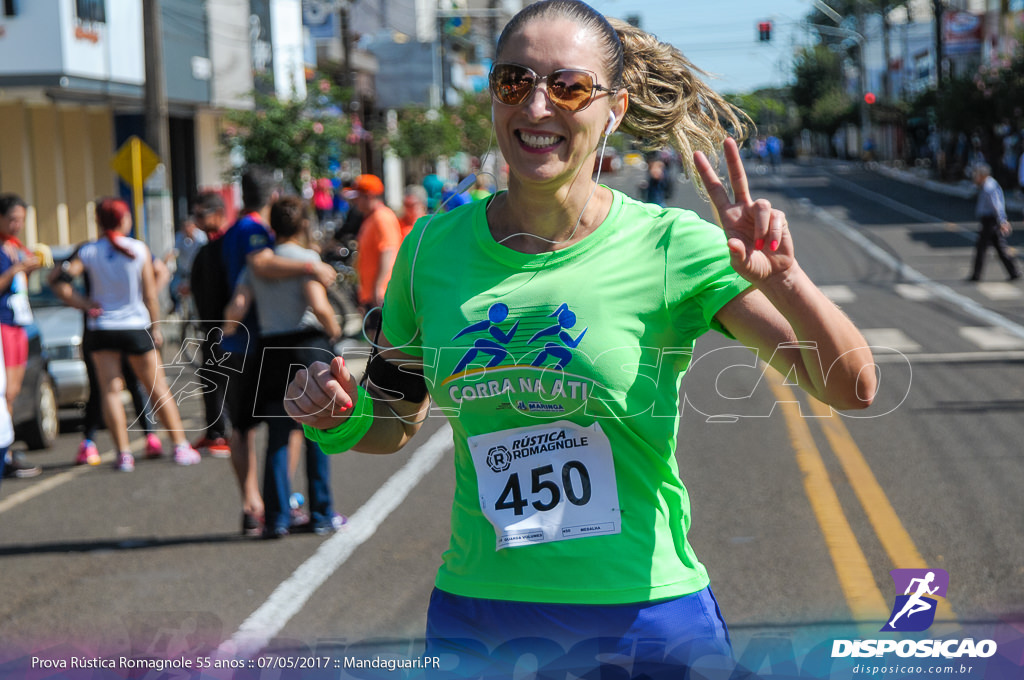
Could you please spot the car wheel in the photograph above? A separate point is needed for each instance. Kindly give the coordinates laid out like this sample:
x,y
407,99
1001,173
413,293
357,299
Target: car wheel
x,y
41,432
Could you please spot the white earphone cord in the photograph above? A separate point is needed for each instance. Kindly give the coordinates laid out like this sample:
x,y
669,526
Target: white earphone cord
x,y
462,186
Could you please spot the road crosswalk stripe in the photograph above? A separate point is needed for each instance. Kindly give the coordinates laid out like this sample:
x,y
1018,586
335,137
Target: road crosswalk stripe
x,y
991,338
839,294
913,291
999,290
891,338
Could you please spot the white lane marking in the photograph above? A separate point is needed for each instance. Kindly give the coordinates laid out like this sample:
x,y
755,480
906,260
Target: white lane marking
x,y
991,338
912,291
893,338
949,357
999,290
908,273
839,294
292,594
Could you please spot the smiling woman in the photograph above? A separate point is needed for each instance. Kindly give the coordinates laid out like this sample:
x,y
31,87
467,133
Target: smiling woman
x,y
557,319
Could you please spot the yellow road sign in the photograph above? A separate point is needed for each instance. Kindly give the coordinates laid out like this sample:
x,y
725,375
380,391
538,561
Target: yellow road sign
x,y
134,161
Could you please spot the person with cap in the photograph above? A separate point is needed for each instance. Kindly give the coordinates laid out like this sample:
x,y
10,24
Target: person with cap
x,y
379,237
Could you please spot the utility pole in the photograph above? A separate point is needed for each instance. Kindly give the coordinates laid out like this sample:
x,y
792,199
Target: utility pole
x,y
865,114
443,58
160,218
937,11
346,45
886,53
492,28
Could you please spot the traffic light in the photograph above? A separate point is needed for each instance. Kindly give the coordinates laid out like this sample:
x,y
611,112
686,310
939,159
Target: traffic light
x,y
869,97
764,31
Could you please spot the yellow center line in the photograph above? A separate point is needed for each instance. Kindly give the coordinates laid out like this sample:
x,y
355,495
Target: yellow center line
x,y
887,525
855,578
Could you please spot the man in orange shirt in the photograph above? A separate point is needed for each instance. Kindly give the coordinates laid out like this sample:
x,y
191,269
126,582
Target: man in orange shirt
x,y
414,206
379,238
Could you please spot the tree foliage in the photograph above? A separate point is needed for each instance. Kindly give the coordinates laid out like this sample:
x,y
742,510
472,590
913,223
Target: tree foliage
x,y
817,77
299,137
425,134
767,107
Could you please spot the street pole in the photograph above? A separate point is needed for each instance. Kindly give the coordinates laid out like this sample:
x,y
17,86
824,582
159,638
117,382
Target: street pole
x,y
441,50
937,10
346,45
159,225
865,114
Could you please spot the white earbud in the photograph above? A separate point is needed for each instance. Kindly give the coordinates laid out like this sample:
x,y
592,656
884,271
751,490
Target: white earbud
x,y
611,123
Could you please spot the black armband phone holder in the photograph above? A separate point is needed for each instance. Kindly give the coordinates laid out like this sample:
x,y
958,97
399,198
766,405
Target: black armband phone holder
x,y
401,382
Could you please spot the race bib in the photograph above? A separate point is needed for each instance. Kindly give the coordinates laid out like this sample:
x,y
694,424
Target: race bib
x,y
18,300
546,483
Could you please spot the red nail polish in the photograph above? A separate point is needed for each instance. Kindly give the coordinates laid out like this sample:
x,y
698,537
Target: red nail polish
x,y
774,246
759,244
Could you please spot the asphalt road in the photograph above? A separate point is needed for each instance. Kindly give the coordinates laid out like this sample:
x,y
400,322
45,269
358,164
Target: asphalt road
x,y
799,517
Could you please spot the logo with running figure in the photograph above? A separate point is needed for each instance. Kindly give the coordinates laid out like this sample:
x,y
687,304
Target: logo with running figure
x,y
499,458
496,339
914,610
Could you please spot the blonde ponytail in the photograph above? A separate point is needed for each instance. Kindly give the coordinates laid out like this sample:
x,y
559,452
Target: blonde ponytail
x,y
669,104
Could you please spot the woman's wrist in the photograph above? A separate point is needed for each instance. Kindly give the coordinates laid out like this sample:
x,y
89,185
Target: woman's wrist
x,y
343,437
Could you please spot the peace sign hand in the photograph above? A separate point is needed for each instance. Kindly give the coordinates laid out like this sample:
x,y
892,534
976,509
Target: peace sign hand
x,y
760,244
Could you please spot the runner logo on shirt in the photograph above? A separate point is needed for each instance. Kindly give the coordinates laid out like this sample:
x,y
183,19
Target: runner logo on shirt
x,y
522,359
554,340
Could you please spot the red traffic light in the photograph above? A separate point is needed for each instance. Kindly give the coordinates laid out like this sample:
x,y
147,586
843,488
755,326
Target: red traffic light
x,y
869,97
764,31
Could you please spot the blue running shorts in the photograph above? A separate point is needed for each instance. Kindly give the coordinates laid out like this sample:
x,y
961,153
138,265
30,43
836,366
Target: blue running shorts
x,y
671,639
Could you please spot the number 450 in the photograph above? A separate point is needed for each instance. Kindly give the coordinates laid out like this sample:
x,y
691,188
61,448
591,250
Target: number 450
x,y
512,495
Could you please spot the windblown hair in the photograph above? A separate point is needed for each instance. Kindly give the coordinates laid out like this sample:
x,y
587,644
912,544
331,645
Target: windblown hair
x,y
669,103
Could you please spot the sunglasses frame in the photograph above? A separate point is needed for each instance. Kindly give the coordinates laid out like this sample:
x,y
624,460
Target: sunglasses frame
x,y
538,79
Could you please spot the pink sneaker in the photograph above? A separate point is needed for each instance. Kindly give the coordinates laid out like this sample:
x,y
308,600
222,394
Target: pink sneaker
x,y
184,454
87,453
154,449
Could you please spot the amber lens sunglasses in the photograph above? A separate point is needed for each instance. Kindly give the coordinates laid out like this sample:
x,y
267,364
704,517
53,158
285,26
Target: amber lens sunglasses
x,y
571,89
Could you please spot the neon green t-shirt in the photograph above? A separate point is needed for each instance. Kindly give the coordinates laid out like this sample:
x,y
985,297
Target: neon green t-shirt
x,y
560,375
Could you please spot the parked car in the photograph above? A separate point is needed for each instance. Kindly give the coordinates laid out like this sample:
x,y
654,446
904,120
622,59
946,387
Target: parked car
x,y
60,331
35,413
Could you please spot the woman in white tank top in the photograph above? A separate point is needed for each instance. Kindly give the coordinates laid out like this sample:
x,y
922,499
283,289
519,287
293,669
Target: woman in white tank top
x,y
123,319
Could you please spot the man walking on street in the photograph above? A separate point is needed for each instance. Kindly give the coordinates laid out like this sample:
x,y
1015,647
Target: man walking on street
x,y
995,227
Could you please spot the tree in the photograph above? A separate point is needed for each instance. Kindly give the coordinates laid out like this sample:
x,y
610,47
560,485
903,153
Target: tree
x,y
817,75
299,137
425,134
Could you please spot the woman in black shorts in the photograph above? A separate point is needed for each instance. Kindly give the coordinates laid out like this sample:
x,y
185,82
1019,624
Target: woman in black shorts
x,y
124,318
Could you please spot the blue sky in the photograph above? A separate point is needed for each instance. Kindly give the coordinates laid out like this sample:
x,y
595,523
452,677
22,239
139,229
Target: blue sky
x,y
720,36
